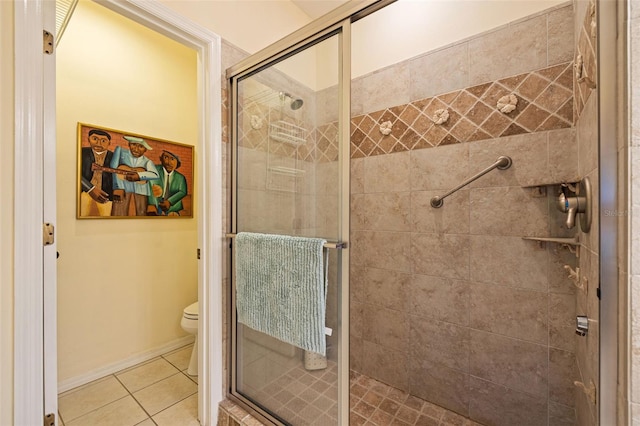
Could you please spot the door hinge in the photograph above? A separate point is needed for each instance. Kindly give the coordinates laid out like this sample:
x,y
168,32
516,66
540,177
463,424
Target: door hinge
x,y
198,254
47,42
50,419
48,233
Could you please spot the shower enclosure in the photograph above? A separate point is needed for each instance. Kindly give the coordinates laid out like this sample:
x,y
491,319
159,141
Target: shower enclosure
x,y
485,307
290,164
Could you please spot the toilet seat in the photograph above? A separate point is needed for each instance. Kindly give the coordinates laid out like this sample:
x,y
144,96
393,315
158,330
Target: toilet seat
x,y
191,312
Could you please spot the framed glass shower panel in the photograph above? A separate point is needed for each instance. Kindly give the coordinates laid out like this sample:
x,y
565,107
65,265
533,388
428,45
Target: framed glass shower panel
x,y
287,180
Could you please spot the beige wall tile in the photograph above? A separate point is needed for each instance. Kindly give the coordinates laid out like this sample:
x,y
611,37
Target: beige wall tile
x,y
561,415
357,248
439,343
388,211
386,173
562,321
528,153
386,288
493,404
439,72
441,168
357,175
259,211
514,49
508,261
585,410
355,353
562,373
451,218
509,311
587,137
563,151
443,255
442,299
559,281
560,35
385,364
511,211
440,385
357,282
359,212
327,178
326,103
386,327
381,89
395,256
516,364
252,168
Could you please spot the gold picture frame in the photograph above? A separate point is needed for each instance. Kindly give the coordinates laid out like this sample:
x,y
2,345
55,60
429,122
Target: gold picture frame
x,y
128,175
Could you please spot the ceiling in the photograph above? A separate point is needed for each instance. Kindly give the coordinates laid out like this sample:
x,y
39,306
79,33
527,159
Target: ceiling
x,y
317,8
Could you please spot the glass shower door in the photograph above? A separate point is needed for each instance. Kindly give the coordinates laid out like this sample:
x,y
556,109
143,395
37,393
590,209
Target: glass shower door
x,y
287,180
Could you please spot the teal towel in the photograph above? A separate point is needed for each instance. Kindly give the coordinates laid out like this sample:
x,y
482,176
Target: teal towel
x,y
281,288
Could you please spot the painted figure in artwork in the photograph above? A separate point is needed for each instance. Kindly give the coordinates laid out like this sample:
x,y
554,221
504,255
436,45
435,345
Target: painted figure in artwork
x,y
168,190
96,197
133,172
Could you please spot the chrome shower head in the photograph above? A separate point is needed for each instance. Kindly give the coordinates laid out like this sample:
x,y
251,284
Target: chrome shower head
x,y
295,103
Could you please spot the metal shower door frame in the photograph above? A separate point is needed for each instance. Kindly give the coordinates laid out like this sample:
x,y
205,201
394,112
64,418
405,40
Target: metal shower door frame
x,y
338,22
342,31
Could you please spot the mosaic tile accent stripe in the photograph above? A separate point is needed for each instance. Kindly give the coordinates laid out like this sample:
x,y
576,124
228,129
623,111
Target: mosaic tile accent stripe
x,y
586,75
545,102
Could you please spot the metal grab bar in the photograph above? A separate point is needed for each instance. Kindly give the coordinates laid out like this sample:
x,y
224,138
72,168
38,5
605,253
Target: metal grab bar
x,y
503,162
328,244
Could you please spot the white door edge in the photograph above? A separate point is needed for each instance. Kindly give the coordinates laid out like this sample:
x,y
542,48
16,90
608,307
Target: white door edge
x,y
28,215
35,123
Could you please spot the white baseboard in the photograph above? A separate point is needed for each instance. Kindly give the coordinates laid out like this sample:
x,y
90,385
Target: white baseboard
x,y
101,372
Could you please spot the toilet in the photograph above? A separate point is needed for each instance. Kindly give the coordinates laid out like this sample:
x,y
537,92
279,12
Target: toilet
x,y
189,324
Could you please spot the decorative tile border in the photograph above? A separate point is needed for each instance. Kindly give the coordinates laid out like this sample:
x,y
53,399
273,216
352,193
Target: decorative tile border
x,y
525,103
585,69
543,101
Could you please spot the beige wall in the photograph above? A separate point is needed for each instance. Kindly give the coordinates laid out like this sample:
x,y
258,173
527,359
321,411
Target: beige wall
x,y
6,213
122,283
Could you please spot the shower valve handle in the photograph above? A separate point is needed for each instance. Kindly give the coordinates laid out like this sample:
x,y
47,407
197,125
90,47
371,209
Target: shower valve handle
x,y
578,202
571,206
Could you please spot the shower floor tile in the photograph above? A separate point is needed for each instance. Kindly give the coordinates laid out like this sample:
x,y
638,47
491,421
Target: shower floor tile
x,y
375,403
304,398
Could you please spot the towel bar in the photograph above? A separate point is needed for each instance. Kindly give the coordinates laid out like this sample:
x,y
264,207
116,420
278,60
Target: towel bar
x,y
329,244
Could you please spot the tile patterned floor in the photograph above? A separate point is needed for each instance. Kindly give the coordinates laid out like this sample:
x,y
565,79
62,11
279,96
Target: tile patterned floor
x,y
159,392
156,392
375,403
308,398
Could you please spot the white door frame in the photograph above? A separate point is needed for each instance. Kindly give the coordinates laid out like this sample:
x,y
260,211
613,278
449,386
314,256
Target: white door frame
x,y
35,356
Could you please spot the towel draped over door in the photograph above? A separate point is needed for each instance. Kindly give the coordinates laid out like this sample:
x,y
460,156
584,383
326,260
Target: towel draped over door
x,y
281,287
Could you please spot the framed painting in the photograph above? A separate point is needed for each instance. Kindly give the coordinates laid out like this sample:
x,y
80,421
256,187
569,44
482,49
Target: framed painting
x,y
128,175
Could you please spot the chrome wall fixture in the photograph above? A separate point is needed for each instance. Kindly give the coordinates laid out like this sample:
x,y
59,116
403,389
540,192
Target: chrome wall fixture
x,y
578,204
503,162
582,325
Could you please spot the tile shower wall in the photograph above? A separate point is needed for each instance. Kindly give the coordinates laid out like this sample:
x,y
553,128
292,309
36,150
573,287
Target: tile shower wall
x,y
587,303
451,304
